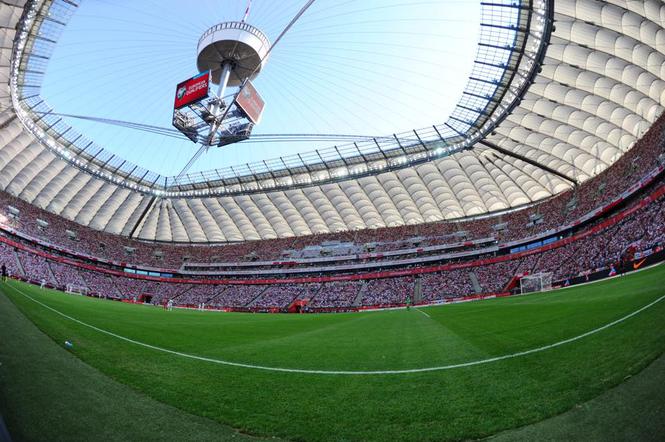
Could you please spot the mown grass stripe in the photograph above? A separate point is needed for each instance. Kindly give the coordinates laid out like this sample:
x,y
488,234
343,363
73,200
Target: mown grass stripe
x,y
348,372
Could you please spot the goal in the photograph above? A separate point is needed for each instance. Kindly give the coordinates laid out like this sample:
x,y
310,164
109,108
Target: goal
x,y
76,289
538,282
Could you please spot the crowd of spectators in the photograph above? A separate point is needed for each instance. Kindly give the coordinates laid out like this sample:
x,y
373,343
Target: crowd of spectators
x,y
36,269
66,275
9,259
199,294
388,291
236,296
336,294
446,285
644,227
282,295
642,230
493,278
99,284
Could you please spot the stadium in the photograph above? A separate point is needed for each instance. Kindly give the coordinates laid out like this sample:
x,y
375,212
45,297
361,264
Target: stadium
x,y
323,220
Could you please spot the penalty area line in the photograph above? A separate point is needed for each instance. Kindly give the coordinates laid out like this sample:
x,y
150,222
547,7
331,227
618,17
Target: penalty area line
x,y
346,372
420,311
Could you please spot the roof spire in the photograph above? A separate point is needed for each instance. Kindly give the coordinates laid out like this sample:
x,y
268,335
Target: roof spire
x,y
249,7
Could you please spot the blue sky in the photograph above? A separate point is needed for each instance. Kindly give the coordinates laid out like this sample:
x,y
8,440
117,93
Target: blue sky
x,y
370,67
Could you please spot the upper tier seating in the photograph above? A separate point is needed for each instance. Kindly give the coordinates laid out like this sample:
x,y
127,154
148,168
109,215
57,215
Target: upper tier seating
x,y
548,214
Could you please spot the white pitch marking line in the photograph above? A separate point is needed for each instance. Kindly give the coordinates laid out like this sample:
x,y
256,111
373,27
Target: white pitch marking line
x,y
420,311
350,372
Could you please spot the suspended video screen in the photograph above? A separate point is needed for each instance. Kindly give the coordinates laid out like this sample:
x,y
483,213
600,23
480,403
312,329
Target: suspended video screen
x,y
192,90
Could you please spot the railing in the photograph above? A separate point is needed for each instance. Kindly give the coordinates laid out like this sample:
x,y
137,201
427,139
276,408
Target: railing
x,y
236,25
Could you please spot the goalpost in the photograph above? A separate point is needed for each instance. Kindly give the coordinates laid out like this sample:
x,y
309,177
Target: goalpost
x,y
75,289
538,282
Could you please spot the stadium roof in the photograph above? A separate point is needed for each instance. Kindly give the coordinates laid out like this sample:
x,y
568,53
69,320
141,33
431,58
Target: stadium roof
x,y
559,91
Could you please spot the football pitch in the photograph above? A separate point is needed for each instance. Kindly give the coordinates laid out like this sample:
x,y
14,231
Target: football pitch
x,y
451,372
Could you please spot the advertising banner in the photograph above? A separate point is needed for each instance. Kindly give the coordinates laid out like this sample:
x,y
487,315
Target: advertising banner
x,y
251,102
192,90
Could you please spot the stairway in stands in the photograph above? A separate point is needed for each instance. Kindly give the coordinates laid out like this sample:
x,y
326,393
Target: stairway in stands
x,y
254,300
417,290
216,295
476,284
175,298
359,297
19,264
51,274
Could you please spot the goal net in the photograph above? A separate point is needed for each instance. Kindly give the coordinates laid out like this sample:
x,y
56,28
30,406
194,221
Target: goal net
x,y
76,289
538,282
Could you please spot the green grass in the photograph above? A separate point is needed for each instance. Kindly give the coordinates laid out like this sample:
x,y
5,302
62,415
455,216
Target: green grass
x,y
469,402
632,411
48,394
